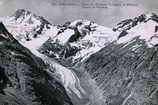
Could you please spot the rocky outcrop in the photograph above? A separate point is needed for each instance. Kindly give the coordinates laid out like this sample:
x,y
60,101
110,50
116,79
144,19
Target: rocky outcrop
x,y
130,23
77,40
124,68
21,13
127,73
23,76
108,67
26,25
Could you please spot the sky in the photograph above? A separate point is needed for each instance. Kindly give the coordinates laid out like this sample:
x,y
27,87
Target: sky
x,y
106,12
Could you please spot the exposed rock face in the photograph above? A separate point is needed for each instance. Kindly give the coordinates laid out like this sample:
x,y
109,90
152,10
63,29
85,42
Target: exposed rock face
x,y
76,41
127,75
27,16
65,76
26,25
130,23
108,67
145,26
125,68
22,16
23,76
65,43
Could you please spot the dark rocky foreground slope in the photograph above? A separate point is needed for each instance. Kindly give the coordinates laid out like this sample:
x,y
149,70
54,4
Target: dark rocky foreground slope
x,y
126,72
120,70
127,75
23,76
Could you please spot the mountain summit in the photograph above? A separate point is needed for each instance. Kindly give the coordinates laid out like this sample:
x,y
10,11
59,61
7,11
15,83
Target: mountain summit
x,y
130,23
93,64
78,40
144,26
22,15
125,70
26,25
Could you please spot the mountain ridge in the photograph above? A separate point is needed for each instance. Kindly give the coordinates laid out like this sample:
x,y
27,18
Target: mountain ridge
x,y
24,80
98,65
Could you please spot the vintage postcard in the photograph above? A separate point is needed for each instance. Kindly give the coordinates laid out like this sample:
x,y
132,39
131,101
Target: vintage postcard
x,y
78,52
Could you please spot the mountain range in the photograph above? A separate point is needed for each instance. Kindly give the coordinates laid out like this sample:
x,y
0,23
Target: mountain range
x,y
79,62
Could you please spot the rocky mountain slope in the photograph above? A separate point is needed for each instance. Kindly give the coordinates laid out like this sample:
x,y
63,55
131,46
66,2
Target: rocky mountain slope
x,y
26,25
122,64
72,41
23,76
144,26
126,69
64,75
102,66
77,41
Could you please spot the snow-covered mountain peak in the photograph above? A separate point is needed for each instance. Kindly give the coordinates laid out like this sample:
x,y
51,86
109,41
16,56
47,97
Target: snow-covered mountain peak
x,y
77,29
24,16
26,26
144,26
79,39
67,77
81,22
130,23
21,13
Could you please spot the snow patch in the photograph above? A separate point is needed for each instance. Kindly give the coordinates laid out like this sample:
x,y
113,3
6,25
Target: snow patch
x,y
145,31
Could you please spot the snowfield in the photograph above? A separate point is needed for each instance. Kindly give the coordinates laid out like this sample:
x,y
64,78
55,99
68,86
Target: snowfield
x,y
67,77
86,36
145,31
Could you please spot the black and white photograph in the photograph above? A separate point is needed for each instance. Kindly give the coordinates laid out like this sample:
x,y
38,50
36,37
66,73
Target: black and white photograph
x,y
78,52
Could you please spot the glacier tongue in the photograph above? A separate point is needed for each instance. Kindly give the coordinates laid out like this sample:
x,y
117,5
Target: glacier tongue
x,y
19,29
67,77
92,38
